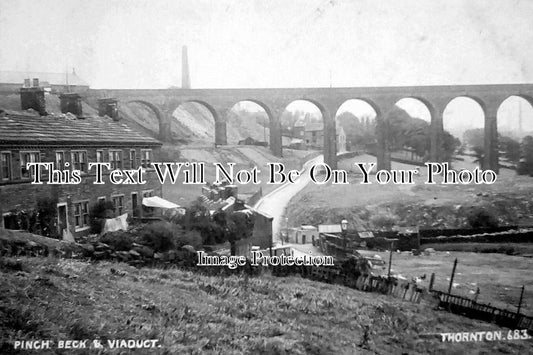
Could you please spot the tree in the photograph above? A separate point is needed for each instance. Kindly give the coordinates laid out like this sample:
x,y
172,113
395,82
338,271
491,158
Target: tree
x,y
240,225
198,218
526,162
414,133
475,138
359,132
510,148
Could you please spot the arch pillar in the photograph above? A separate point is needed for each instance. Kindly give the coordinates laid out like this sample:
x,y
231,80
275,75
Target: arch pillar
x,y
221,136
330,133
490,158
437,131
165,131
330,141
383,109
276,110
164,118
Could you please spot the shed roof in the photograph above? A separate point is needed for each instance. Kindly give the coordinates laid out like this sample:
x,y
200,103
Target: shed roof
x,y
329,228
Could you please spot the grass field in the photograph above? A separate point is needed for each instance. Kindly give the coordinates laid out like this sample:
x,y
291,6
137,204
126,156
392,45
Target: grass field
x,y
498,276
190,313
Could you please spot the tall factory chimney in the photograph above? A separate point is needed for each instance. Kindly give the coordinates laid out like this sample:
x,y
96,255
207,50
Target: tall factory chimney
x,y
185,78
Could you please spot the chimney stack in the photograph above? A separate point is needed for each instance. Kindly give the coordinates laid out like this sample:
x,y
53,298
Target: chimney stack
x,y
109,107
32,96
71,102
185,78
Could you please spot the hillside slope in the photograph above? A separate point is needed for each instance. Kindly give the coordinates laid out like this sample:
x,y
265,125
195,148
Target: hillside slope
x,y
193,123
187,312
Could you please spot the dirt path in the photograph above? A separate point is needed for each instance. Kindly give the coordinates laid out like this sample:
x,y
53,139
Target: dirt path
x,y
274,203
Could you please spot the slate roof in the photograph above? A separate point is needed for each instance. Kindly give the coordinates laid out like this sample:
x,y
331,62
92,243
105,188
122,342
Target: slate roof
x,y
17,77
53,130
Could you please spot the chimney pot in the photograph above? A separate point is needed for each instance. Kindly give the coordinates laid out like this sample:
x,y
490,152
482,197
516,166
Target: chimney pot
x,y
36,82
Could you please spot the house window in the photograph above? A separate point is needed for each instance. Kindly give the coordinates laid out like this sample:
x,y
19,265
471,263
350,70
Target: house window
x,y
118,202
99,156
79,160
146,158
25,158
5,165
133,159
60,160
115,158
81,214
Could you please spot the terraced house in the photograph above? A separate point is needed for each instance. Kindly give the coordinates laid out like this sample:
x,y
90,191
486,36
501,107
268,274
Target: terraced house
x,y
70,142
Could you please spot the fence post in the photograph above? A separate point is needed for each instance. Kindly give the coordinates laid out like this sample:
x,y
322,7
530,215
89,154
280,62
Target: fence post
x,y
453,274
431,282
520,302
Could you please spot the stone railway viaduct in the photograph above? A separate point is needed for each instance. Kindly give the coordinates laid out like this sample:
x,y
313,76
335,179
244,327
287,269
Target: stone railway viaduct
x,y
219,102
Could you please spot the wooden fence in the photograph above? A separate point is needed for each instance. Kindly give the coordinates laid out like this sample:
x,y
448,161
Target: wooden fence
x,y
369,283
472,309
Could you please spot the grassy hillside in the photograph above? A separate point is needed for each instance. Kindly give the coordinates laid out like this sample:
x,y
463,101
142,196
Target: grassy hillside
x,y
420,204
191,313
194,124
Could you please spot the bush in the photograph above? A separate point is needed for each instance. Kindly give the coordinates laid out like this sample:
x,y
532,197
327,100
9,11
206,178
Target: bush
x,y
160,236
481,218
384,220
193,238
119,240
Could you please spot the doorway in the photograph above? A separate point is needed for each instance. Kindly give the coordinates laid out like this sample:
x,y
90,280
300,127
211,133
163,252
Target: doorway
x,y
134,205
62,219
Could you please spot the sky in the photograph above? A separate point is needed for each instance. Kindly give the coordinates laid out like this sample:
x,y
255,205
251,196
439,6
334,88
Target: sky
x,y
271,43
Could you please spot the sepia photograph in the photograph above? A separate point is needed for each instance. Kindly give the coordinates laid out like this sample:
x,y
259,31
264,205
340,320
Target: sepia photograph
x,y
266,177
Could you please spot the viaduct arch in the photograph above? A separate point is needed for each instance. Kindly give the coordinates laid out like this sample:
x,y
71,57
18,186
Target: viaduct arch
x,y
382,99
